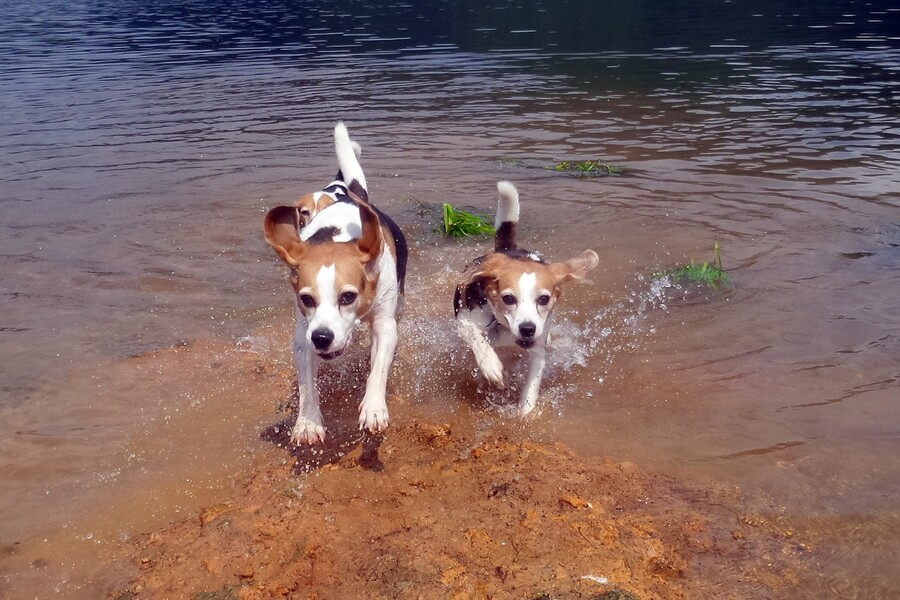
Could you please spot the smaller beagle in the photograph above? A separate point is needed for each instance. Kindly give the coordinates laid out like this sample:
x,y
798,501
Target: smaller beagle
x,y
347,263
508,297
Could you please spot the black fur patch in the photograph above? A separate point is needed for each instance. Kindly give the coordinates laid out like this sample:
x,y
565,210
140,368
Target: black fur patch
x,y
338,189
326,234
505,239
400,243
356,187
526,255
469,296
515,254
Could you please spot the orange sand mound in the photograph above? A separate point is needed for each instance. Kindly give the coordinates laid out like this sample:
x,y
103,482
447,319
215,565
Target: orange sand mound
x,y
442,517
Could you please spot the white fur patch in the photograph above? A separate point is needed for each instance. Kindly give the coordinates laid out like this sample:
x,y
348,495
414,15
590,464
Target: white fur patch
x,y
328,314
508,205
347,156
343,216
325,279
527,309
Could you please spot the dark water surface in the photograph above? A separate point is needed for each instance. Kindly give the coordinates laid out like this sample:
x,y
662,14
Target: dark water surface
x,y
141,143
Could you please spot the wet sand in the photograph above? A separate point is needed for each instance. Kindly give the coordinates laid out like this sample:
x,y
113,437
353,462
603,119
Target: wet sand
x,y
435,514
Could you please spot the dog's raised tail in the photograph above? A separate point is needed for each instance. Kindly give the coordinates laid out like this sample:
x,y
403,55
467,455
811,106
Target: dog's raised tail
x,y
507,216
350,170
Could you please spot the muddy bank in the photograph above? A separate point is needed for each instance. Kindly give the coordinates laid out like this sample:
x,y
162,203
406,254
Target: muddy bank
x,y
441,516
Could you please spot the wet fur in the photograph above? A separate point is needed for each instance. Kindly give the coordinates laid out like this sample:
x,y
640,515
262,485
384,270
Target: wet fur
x,y
488,318
347,264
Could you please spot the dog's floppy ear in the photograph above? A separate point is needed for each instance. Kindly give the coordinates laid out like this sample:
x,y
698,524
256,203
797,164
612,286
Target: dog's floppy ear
x,y
282,229
473,293
575,268
371,244
488,270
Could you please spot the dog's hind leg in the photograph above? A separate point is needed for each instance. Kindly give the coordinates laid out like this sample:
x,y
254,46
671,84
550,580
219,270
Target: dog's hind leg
x,y
309,428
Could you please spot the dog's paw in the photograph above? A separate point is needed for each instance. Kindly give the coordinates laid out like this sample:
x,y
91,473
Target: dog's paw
x,y
374,416
308,432
492,369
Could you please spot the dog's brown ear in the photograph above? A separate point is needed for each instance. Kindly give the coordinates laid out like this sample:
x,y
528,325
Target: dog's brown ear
x,y
575,268
282,229
488,270
471,294
371,244
474,292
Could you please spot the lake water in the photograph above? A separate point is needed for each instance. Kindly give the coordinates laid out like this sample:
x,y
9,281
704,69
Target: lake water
x,y
145,323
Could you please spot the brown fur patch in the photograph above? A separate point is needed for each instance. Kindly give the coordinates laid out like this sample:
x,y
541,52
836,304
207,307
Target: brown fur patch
x,y
309,207
349,269
504,272
499,272
352,260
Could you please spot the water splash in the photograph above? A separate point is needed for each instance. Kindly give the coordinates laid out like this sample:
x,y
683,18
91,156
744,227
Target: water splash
x,y
434,364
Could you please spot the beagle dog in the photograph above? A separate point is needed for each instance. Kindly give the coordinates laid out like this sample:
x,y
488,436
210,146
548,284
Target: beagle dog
x,y
347,264
507,299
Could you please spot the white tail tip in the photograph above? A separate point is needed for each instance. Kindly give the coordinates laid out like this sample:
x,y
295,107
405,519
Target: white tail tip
x,y
348,153
508,205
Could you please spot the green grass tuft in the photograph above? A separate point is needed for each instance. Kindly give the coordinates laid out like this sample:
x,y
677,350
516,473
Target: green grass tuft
x,y
459,223
588,168
710,274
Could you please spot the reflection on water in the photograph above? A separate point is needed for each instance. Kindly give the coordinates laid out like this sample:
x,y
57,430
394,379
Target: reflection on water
x,y
141,143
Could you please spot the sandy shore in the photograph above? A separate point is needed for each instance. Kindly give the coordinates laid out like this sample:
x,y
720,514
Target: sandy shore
x,y
432,514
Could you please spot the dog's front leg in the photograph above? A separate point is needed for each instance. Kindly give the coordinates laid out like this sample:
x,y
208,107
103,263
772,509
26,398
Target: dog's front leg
x,y
373,410
538,358
488,361
308,429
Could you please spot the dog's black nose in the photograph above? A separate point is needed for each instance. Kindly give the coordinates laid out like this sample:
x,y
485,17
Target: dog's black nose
x,y
322,338
527,329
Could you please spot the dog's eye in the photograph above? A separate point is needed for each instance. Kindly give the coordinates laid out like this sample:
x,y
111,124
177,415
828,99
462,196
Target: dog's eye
x,y
543,300
304,212
348,298
307,301
508,299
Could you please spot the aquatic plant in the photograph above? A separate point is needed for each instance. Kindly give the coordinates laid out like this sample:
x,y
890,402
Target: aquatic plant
x,y
459,223
710,274
588,168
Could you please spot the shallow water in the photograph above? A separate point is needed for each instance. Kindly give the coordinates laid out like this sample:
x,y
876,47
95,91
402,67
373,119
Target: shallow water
x,y
142,143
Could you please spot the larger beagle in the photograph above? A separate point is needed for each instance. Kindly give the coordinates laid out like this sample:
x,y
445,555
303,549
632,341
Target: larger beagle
x,y
507,299
347,264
